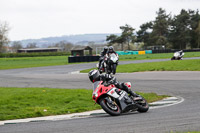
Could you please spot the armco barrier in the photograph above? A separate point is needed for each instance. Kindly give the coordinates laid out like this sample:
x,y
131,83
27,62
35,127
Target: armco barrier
x,y
74,59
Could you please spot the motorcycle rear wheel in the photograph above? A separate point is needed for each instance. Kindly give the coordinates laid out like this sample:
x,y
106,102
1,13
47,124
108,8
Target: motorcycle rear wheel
x,y
112,109
142,105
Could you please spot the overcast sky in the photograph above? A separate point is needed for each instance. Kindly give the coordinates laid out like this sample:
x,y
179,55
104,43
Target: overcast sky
x,y
45,18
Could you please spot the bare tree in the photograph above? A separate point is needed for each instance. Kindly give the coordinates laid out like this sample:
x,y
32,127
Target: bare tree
x,y
65,46
32,45
4,29
16,45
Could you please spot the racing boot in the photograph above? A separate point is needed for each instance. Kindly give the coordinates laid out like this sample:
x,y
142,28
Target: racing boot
x,y
132,93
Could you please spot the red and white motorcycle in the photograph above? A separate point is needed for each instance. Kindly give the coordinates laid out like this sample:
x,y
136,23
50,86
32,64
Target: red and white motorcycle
x,y
115,101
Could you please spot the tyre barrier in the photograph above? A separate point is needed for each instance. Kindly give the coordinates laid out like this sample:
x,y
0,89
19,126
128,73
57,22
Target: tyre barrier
x,y
74,59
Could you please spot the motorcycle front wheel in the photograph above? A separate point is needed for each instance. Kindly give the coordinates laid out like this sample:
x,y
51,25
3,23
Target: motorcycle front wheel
x,y
110,107
108,69
114,68
173,58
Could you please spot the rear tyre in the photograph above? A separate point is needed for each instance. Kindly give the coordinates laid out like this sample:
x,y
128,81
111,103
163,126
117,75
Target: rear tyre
x,y
108,70
100,71
142,105
112,109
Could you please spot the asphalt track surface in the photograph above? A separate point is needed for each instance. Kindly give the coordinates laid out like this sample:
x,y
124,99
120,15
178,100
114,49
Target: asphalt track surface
x,y
181,117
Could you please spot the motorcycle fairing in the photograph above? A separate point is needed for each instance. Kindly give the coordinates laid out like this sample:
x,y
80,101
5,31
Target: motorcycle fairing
x,y
124,100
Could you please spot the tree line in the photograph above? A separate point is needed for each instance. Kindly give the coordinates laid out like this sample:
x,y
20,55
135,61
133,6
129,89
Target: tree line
x,y
180,31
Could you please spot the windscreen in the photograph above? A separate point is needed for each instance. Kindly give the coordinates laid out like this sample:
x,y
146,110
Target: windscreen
x,y
113,55
95,85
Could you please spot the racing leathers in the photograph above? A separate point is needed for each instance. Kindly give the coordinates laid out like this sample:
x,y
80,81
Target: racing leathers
x,y
112,80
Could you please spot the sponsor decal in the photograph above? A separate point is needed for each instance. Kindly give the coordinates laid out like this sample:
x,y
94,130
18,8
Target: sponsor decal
x,y
122,95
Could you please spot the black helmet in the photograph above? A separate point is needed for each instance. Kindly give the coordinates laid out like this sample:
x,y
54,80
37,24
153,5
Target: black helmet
x,y
105,48
94,75
110,48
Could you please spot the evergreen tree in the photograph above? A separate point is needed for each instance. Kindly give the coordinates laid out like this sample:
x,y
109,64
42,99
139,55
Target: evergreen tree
x,y
126,37
197,31
180,30
127,34
112,39
159,35
194,23
143,35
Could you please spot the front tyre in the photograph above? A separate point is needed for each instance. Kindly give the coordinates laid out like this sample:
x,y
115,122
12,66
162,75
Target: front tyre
x,y
110,107
142,105
114,68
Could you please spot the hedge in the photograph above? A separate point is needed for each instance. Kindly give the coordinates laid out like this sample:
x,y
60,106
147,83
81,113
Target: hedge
x,y
4,55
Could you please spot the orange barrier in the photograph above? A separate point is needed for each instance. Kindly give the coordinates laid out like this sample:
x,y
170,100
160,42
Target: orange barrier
x,y
141,52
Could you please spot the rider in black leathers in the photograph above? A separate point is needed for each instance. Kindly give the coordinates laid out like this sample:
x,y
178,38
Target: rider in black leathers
x,y
110,51
101,59
94,76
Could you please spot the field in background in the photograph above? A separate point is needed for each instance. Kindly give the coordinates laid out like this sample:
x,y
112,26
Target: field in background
x,y
176,65
156,56
26,62
180,65
16,103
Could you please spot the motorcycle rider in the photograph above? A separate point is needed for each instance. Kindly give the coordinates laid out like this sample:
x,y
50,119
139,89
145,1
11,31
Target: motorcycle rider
x,y
180,52
178,55
94,76
101,59
110,51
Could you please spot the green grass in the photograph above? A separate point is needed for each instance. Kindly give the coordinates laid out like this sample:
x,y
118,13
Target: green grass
x,y
193,132
156,56
187,132
16,103
25,62
180,65
183,65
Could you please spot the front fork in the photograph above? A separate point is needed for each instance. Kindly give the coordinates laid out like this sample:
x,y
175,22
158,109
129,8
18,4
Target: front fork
x,y
110,101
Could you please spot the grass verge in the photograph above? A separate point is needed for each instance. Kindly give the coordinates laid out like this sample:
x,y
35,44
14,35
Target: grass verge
x,y
156,56
180,65
187,132
17,103
26,62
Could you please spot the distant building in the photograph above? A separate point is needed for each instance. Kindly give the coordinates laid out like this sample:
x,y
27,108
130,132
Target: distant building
x,y
82,54
31,50
81,51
